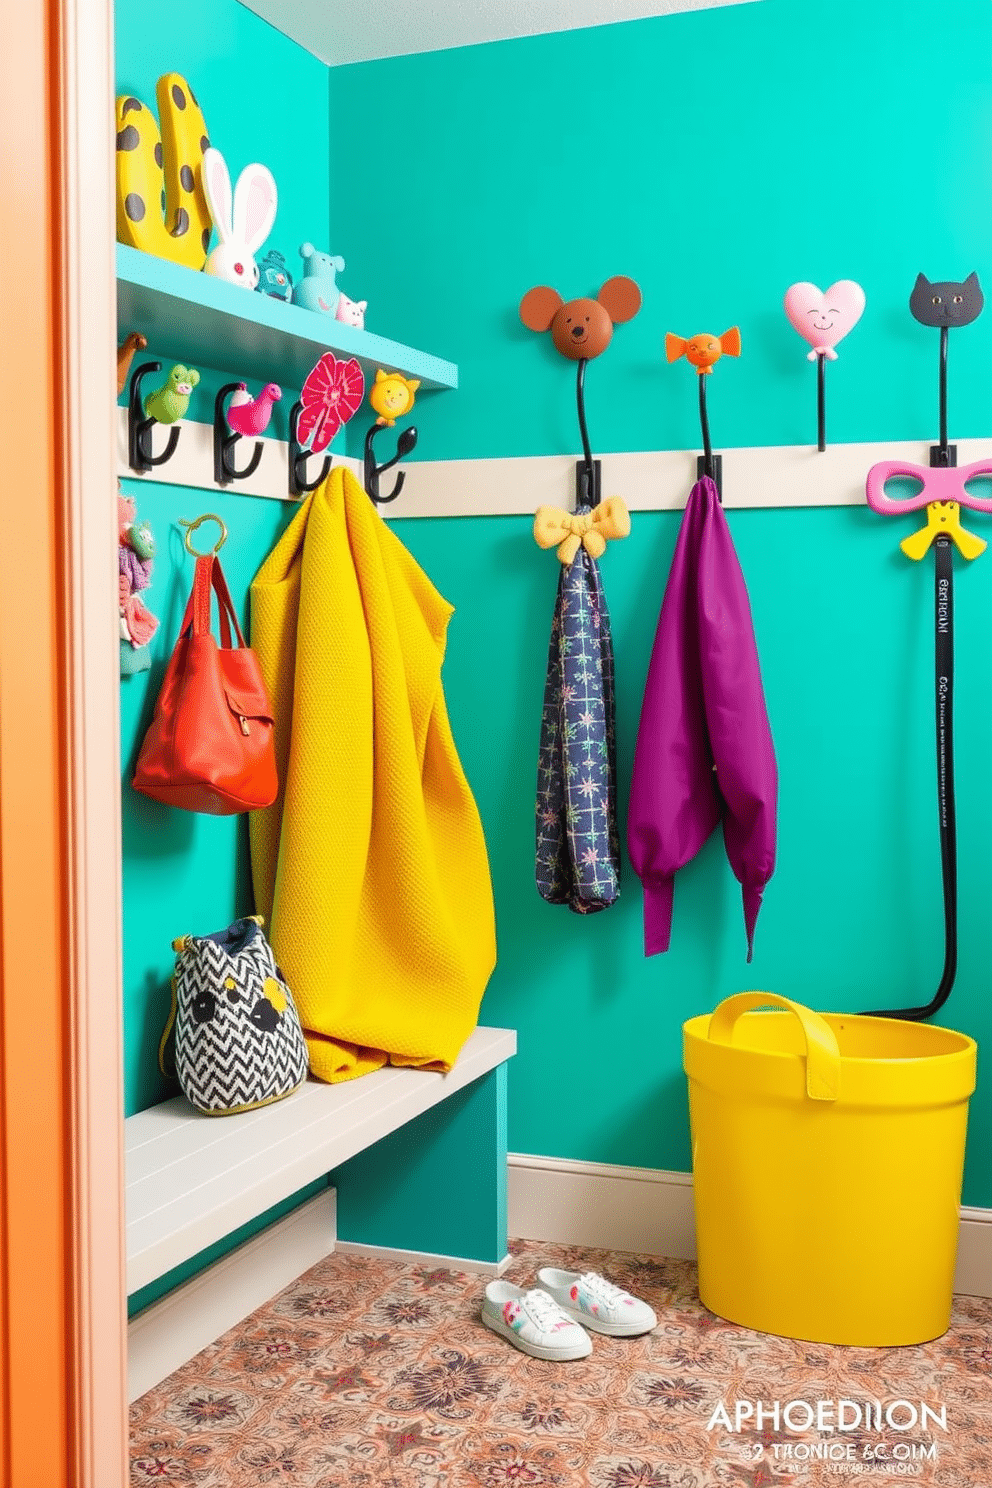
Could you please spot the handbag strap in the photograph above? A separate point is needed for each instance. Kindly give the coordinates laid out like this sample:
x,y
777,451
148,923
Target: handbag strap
x,y
209,574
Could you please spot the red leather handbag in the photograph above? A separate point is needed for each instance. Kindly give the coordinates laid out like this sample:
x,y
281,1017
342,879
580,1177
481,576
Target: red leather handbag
x,y
210,745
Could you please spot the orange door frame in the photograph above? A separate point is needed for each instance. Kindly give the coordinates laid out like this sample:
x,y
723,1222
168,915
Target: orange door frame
x,y
62,1288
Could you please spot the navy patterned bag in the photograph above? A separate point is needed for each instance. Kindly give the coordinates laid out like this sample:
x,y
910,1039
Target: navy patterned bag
x,y
578,843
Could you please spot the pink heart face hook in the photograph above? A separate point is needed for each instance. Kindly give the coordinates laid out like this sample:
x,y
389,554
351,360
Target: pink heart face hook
x,y
824,317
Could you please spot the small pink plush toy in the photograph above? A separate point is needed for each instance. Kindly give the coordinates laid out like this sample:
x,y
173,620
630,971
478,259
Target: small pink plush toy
x,y
135,550
351,312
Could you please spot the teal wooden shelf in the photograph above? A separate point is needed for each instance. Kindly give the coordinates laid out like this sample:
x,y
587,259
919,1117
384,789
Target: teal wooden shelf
x,y
195,318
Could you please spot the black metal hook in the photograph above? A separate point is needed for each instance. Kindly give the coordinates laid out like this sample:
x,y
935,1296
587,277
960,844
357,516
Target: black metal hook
x,y
588,471
943,454
139,441
298,483
405,443
708,463
225,441
821,403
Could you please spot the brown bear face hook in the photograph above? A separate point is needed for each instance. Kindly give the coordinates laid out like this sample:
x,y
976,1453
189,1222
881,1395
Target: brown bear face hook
x,y
581,328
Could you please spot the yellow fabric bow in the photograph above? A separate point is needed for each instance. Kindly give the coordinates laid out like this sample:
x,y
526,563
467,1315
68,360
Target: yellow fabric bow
x,y
610,519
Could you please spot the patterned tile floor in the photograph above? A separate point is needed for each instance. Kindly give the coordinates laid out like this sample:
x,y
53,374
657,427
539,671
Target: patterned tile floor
x,y
366,1373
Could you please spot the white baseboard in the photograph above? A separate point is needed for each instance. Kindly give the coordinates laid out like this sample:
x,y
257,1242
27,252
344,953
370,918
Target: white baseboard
x,y
171,1331
645,1210
425,1258
649,1211
973,1276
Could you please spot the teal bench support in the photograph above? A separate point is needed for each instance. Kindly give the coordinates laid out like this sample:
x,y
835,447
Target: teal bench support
x,y
438,1184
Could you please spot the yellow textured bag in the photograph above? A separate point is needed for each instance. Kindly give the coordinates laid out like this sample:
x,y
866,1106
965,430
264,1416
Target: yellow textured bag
x,y
827,1153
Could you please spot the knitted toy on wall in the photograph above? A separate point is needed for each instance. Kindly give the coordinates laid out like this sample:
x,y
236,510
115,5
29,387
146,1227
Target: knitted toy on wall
x,y
135,550
169,403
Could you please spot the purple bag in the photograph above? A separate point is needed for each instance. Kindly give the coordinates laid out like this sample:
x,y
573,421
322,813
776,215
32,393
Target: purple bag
x,y
704,748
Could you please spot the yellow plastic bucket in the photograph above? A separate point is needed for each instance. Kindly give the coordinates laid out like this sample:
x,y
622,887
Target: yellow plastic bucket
x,y
827,1152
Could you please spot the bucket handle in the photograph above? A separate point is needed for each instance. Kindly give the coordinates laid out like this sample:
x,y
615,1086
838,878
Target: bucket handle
x,y
822,1053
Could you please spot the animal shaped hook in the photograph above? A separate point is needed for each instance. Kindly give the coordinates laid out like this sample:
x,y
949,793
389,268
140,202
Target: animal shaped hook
x,y
405,443
166,405
703,351
125,356
582,329
245,415
945,303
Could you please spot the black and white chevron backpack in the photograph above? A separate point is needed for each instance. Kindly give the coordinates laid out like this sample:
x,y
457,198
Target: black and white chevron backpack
x,y
233,1034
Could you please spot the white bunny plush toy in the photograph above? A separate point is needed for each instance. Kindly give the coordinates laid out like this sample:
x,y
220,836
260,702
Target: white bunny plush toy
x,y
243,230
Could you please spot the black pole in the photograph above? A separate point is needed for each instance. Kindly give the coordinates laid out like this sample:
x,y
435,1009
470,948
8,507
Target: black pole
x,y
580,398
705,426
587,471
943,395
944,693
821,403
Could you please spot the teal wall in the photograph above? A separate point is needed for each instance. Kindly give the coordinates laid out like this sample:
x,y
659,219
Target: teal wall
x,y
263,98
716,157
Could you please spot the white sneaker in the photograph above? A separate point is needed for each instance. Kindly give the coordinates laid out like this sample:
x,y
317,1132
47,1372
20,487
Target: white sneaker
x,y
596,1303
533,1323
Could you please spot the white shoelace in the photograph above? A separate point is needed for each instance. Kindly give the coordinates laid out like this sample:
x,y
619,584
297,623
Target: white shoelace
x,y
601,1289
543,1310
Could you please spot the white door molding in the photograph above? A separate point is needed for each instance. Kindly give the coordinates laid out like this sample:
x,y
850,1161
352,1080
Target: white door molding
x,y
91,699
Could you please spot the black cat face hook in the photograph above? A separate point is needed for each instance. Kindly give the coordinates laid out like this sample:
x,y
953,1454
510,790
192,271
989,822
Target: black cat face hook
x,y
945,303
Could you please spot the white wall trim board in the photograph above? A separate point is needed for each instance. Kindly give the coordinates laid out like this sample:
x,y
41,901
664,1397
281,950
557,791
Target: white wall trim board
x,y
649,1211
186,1320
786,475
193,462
425,1258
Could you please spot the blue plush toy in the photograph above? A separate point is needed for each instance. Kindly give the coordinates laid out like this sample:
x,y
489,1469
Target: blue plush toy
x,y
318,290
274,278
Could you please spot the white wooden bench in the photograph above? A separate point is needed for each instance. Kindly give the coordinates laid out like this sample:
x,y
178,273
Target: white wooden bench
x,y
191,1180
